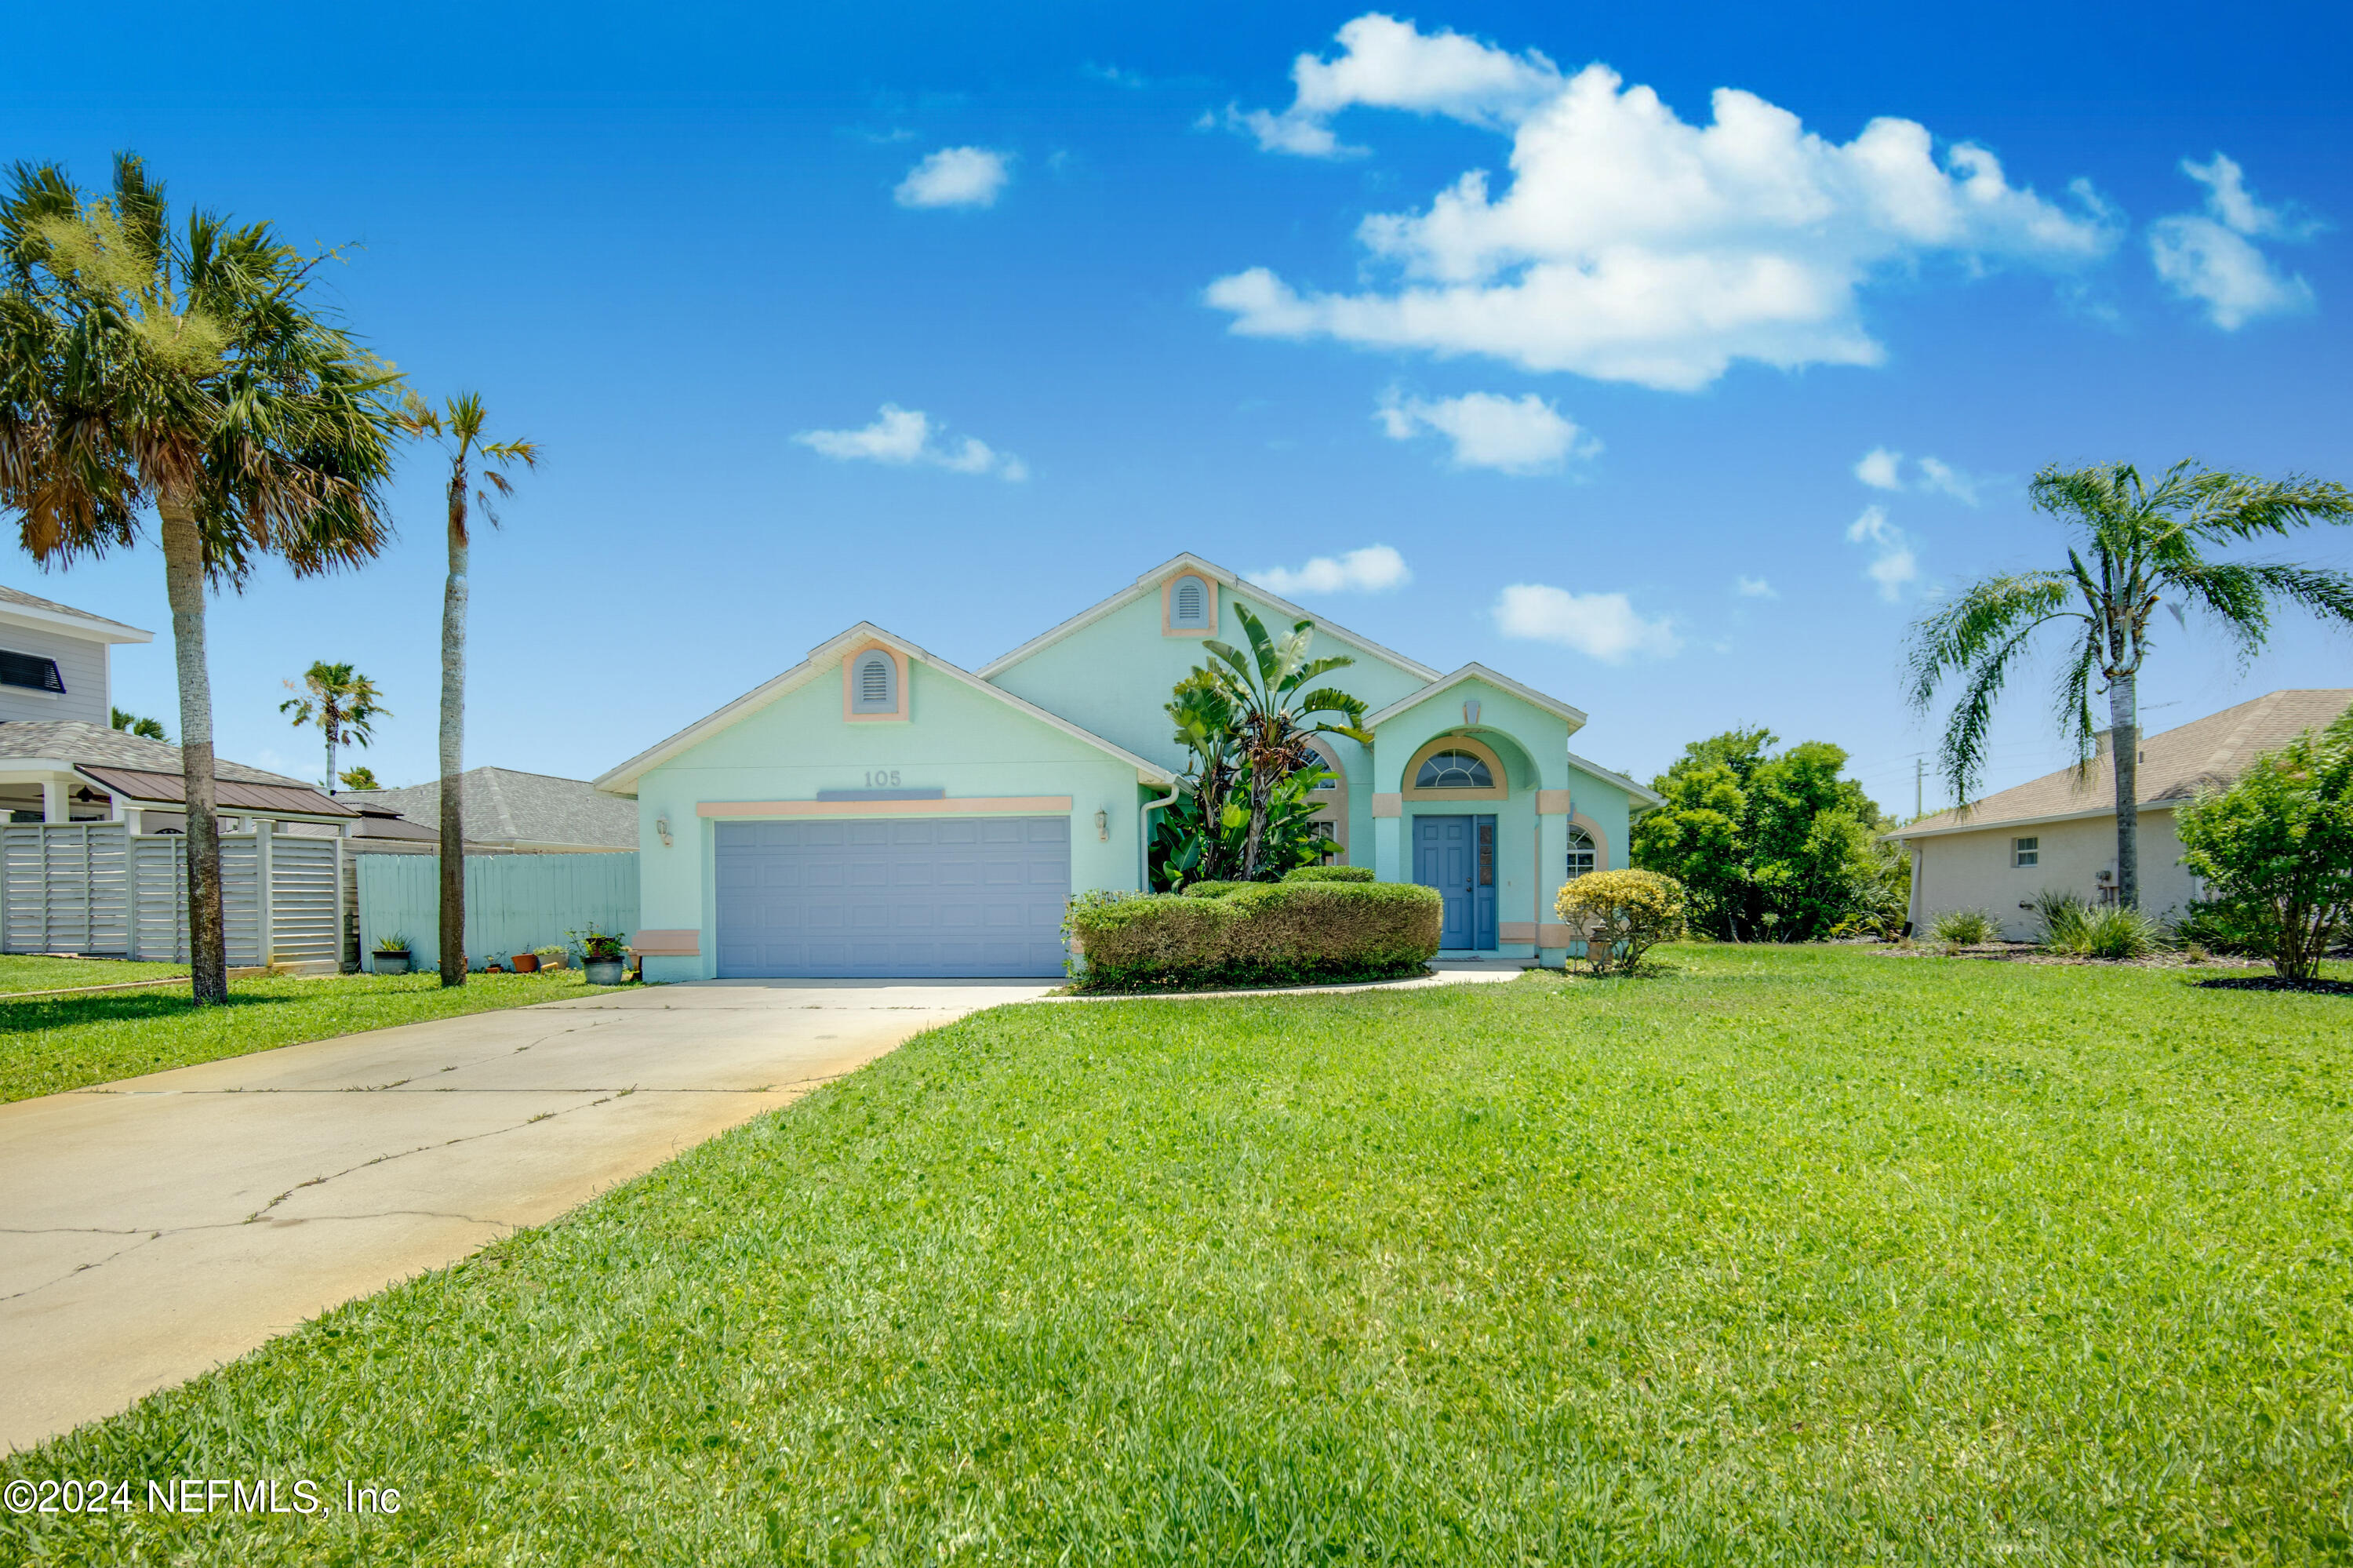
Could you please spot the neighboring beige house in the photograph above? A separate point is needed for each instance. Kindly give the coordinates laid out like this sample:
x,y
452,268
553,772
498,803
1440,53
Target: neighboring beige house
x,y
507,813
2060,831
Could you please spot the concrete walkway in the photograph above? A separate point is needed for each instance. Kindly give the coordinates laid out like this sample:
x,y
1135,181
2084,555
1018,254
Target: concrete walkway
x,y
154,1228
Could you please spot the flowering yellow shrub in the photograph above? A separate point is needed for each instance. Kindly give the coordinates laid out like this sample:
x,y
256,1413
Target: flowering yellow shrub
x,y
1621,915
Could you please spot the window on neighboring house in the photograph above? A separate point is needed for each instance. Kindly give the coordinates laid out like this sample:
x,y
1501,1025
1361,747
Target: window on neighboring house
x,y
1453,770
874,687
1188,603
1317,762
2026,852
1581,852
31,672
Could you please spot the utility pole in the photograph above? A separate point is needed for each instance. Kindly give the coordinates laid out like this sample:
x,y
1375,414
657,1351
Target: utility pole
x,y
1919,777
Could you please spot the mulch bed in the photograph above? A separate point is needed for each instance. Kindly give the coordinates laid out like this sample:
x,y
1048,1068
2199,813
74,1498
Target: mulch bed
x,y
2273,982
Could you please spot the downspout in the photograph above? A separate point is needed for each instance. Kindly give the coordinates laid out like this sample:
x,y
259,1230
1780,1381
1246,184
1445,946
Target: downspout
x,y
1143,836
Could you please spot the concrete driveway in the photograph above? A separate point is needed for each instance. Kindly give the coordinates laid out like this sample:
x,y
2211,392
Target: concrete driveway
x,y
152,1228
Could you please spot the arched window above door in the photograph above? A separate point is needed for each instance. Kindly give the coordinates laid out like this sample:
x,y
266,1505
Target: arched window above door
x,y
1454,770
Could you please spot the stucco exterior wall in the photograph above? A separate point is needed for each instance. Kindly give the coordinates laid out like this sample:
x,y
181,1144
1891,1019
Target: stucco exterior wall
x,y
1973,870
1111,677
81,665
955,738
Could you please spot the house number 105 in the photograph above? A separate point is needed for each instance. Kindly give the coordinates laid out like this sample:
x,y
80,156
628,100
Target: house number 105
x,y
881,778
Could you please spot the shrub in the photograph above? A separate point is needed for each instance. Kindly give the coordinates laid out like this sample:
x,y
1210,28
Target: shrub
x,y
1330,874
2120,933
1621,915
1217,889
2066,920
2277,848
2214,925
1257,934
1965,928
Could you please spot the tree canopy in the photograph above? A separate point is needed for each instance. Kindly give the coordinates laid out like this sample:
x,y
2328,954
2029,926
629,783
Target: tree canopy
x,y
1771,846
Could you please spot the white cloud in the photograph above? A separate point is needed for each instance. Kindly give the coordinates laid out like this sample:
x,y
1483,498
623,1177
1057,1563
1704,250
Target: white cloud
x,y
1629,245
1878,469
906,437
1605,626
2210,258
1755,587
1376,568
1524,434
1893,562
1884,470
955,176
1388,64
1945,478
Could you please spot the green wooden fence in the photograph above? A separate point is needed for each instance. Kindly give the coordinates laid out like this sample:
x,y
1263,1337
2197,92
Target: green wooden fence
x,y
514,902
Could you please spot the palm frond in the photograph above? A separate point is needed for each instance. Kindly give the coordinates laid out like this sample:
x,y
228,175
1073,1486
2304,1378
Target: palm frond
x,y
1956,637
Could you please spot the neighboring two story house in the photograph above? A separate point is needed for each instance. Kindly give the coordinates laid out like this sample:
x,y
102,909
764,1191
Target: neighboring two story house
x,y
876,810
62,761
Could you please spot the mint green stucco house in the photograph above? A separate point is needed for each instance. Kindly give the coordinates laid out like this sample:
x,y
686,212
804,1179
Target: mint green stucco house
x,y
876,810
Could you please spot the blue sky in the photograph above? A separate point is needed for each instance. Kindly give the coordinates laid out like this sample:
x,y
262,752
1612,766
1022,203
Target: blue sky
x,y
1610,407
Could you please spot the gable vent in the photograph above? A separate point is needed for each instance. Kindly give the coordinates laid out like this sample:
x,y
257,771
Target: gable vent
x,y
875,684
1188,604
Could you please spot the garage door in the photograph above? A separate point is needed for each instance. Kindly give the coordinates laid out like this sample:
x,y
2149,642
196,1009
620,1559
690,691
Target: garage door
x,y
950,897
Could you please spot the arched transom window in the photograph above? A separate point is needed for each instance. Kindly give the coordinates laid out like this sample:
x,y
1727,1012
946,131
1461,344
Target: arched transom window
x,y
1454,770
1581,852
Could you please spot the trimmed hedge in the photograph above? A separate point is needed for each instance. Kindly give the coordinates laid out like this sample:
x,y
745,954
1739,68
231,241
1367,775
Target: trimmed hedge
x,y
1330,874
1217,889
1281,933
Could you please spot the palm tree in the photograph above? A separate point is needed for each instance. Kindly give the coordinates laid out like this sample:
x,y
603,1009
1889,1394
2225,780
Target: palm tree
x,y
360,779
2141,545
125,720
458,426
1270,714
341,702
190,371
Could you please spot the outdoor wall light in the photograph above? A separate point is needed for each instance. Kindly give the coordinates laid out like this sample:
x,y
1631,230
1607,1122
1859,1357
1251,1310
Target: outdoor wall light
x,y
661,831
1103,826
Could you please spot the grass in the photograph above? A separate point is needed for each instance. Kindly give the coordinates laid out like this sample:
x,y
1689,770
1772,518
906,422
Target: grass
x,y
22,972
1792,1255
50,1044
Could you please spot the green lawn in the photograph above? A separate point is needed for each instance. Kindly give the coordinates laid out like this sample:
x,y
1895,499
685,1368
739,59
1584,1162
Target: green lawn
x,y
1790,1257
49,1044
20,972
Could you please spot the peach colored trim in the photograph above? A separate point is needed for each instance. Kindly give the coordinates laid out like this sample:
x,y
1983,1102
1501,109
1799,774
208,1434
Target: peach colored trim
x,y
1479,748
1552,803
674,944
1389,805
1549,935
850,661
1600,839
1168,628
961,806
1516,931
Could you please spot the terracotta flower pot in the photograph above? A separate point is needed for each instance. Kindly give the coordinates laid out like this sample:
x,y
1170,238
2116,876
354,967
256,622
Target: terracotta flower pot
x,y
525,963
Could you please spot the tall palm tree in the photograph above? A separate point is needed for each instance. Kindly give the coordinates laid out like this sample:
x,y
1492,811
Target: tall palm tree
x,y
340,701
1272,716
2140,545
458,426
188,370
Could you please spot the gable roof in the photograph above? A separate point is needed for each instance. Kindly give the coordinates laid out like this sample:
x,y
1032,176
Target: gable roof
x,y
73,742
1150,583
1477,672
623,779
17,605
1642,797
504,807
2204,754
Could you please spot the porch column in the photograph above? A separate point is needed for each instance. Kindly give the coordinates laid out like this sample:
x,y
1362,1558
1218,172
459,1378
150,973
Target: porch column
x,y
1552,869
57,806
1389,857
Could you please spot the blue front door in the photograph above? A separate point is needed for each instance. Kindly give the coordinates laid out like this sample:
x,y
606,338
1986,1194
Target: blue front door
x,y
1457,856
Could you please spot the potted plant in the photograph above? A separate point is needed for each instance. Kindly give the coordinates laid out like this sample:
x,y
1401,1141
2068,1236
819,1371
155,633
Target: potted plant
x,y
525,962
550,957
604,956
392,955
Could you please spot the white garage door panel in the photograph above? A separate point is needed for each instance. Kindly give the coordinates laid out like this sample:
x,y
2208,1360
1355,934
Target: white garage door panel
x,y
946,897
